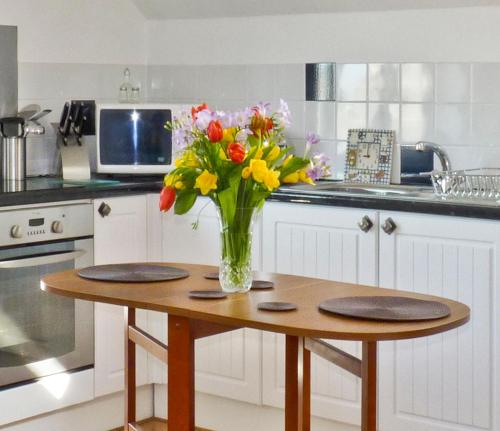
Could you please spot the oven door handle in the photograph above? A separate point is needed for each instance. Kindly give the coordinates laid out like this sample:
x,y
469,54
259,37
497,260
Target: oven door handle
x,y
47,259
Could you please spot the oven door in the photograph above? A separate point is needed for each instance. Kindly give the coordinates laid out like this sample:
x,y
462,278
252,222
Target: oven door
x,y
40,333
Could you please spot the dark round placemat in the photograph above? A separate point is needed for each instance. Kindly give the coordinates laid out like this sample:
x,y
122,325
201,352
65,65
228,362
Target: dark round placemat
x,y
133,272
207,294
262,284
276,306
393,308
211,275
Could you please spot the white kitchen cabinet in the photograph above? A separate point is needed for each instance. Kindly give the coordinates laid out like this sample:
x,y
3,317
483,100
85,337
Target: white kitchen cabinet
x,y
324,242
228,364
448,381
119,237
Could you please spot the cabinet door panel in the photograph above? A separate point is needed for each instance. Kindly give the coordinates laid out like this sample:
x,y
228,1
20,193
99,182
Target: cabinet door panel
x,y
321,242
228,364
120,237
448,380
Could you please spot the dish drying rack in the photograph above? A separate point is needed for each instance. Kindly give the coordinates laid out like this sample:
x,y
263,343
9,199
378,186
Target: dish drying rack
x,y
481,183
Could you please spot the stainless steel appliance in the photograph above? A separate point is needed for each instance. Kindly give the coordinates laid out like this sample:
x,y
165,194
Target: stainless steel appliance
x,y
13,148
43,334
8,70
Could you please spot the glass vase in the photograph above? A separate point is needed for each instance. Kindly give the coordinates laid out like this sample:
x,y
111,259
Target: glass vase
x,y
235,269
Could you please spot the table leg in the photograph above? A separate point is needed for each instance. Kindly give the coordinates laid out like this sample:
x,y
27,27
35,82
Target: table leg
x,y
297,385
180,374
369,387
130,370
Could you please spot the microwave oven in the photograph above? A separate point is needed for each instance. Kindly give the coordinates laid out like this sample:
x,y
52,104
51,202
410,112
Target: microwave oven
x,y
132,139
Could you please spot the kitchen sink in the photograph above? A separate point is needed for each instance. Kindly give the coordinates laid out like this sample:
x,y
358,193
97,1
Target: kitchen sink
x,y
339,188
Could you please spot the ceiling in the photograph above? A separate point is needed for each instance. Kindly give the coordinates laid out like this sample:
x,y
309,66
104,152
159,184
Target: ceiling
x,y
180,9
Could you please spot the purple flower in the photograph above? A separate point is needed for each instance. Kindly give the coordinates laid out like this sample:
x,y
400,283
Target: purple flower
x,y
242,118
242,135
203,118
283,115
312,138
315,173
262,108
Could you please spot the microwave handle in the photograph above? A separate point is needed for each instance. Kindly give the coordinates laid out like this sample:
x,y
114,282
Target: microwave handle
x,y
25,262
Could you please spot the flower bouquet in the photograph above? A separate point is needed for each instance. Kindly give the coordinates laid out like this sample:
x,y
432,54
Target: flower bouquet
x,y
237,159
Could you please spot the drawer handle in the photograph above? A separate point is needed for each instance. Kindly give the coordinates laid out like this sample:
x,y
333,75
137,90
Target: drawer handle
x,y
389,226
365,224
104,209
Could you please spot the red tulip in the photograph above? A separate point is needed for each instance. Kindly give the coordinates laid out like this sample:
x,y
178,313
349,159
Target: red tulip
x,y
215,131
167,198
196,109
236,152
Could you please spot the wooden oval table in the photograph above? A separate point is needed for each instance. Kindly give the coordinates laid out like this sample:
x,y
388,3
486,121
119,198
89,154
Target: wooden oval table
x,y
190,319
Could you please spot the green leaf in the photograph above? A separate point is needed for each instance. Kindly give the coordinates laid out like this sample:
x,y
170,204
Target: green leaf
x,y
185,201
228,198
293,165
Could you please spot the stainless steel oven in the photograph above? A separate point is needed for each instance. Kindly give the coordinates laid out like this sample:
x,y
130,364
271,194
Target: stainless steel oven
x,y
42,334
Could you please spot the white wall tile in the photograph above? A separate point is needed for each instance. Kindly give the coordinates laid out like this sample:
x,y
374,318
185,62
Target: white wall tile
x,y
453,81
417,82
486,82
453,124
383,116
465,158
290,82
486,125
383,82
261,83
222,82
296,129
351,82
320,119
417,122
350,116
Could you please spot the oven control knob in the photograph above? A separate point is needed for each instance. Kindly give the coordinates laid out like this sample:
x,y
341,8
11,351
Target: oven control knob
x,y
16,231
57,226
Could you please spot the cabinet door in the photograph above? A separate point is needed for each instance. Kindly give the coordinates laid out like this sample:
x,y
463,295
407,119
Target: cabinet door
x,y
228,364
119,237
324,242
448,381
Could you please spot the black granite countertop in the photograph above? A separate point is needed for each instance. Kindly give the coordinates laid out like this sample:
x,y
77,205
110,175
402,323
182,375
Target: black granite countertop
x,y
49,189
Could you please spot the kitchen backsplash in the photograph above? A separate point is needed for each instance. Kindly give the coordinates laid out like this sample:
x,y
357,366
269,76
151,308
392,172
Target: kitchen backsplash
x,y
456,105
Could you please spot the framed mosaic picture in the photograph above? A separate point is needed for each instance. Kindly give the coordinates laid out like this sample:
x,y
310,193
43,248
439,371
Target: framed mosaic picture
x,y
369,156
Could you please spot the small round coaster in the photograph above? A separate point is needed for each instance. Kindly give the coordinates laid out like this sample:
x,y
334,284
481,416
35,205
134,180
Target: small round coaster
x,y
276,306
262,284
207,294
211,275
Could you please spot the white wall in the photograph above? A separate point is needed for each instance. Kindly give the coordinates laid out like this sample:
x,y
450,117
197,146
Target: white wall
x,y
439,35
72,49
77,31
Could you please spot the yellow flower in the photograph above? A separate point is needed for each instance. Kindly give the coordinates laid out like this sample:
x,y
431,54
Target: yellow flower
x,y
206,182
259,169
291,178
228,134
273,154
304,178
271,180
179,185
222,154
171,179
246,172
258,154
290,157
188,160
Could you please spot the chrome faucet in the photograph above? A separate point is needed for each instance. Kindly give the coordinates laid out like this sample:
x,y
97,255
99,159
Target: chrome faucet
x,y
423,146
